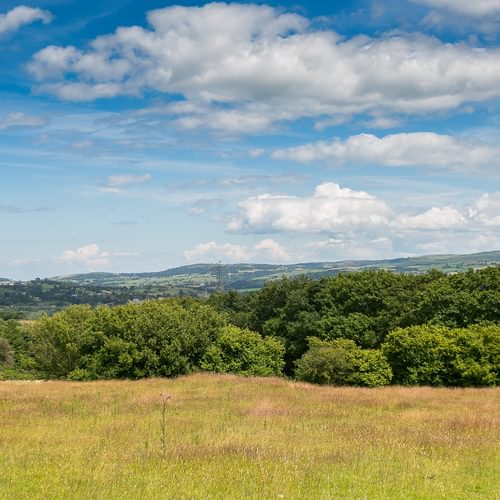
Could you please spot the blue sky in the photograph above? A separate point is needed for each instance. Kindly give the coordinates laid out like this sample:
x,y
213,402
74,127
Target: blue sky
x,y
137,136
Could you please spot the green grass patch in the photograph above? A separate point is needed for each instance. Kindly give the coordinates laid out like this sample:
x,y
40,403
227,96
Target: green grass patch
x,y
235,437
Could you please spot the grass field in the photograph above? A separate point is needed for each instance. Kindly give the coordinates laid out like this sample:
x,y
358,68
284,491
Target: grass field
x,y
232,437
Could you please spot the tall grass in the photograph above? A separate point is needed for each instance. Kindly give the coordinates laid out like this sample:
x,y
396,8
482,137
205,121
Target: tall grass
x,y
232,437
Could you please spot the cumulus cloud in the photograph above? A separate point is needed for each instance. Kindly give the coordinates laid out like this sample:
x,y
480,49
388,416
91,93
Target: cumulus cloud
x,y
260,65
90,257
476,8
399,150
486,210
433,219
12,20
268,250
359,225
272,250
330,208
20,120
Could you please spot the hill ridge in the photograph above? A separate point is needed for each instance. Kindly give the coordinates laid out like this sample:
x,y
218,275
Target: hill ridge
x,y
254,275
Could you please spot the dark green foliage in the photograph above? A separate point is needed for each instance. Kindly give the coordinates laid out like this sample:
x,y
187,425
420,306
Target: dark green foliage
x,y
236,306
7,314
157,338
354,314
245,352
441,356
355,326
364,306
19,340
341,362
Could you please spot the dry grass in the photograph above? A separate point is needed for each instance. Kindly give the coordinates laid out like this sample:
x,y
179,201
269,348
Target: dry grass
x,y
233,437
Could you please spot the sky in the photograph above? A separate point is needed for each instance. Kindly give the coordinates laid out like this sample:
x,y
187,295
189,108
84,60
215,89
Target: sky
x,y
138,136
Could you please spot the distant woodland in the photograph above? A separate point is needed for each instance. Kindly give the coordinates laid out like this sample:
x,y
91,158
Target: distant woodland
x,y
365,328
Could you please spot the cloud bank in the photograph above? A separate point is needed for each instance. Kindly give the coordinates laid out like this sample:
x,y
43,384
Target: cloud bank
x,y
261,65
415,149
334,209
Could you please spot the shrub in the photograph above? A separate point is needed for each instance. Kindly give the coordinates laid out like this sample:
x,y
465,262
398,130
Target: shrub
x,y
244,352
342,362
441,356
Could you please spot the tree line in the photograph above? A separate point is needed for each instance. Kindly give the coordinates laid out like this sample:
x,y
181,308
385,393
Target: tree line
x,y
364,328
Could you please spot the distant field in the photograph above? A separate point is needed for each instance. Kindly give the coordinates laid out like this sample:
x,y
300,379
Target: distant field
x,y
232,437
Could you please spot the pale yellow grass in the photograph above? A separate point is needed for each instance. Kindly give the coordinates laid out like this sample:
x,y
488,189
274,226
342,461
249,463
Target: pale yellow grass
x,y
233,437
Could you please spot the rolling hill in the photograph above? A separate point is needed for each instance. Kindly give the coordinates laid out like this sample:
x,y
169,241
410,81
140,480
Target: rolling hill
x,y
252,276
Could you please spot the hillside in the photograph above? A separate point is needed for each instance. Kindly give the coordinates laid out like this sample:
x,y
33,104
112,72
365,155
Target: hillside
x,y
253,276
31,298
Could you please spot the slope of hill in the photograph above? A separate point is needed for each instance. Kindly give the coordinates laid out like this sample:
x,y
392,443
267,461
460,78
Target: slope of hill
x,y
252,276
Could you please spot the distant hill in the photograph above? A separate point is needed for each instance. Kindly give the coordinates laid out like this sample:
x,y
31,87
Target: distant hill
x,y
252,276
4,279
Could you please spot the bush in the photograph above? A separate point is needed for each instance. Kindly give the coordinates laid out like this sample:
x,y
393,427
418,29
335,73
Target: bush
x,y
244,352
440,356
342,362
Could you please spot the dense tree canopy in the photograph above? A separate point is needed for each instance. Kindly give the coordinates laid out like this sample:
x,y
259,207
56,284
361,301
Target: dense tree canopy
x,y
360,328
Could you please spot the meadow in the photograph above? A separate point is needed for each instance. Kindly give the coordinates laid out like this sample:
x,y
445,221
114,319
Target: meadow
x,y
224,436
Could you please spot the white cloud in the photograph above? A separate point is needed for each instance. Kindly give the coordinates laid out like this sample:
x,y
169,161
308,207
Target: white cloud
x,y
330,208
260,65
116,183
486,210
433,219
406,149
474,8
234,121
211,251
20,120
91,257
458,242
88,256
255,153
266,250
360,225
272,250
13,19
347,248
127,180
